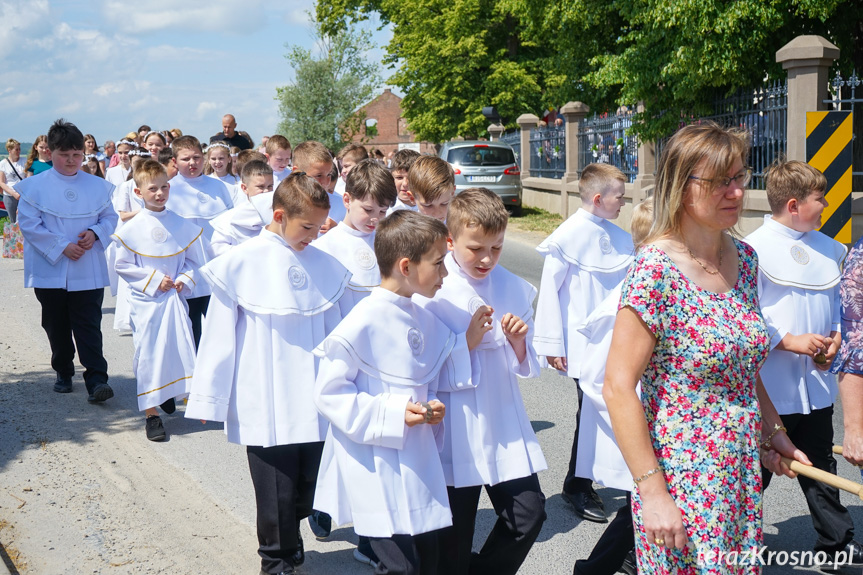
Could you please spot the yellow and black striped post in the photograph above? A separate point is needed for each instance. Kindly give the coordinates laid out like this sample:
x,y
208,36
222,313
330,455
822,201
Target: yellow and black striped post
x,y
828,150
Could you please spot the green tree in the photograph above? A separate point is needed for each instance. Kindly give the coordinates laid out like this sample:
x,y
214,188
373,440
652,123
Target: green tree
x,y
328,88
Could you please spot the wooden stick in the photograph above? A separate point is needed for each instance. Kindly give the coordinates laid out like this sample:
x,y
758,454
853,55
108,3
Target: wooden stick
x,y
837,449
824,477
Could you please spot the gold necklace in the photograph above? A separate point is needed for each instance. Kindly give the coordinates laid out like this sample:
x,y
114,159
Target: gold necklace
x,y
704,267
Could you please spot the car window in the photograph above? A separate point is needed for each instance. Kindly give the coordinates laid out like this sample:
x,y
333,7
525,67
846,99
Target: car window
x,y
482,156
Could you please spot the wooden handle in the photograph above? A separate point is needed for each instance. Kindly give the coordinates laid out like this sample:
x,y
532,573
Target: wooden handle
x,y
824,477
837,449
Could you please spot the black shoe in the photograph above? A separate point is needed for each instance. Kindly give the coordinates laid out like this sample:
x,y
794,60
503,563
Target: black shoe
x,y
365,554
299,556
321,524
155,429
169,406
851,554
101,393
629,564
63,384
587,505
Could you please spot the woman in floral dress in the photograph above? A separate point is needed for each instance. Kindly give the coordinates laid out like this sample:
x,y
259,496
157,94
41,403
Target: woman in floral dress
x,y
849,361
690,328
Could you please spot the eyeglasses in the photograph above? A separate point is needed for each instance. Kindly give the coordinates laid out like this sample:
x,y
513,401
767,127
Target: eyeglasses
x,y
742,179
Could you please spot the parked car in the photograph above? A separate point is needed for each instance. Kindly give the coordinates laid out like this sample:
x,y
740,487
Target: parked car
x,y
489,165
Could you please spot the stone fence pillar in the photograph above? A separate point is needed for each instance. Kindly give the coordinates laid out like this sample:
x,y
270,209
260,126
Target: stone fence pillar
x,y
495,131
646,178
574,114
807,60
526,122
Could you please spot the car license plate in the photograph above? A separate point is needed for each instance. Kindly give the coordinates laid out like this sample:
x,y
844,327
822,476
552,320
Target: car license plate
x,y
478,179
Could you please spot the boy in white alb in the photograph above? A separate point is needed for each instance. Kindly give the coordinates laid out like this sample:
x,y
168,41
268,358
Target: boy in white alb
x,y
585,258
65,215
489,440
599,456
199,199
369,192
798,287
158,254
279,157
237,225
401,166
275,298
246,221
380,372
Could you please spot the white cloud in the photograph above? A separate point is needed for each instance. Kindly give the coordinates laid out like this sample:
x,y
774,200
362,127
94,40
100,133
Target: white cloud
x,y
205,108
108,89
224,16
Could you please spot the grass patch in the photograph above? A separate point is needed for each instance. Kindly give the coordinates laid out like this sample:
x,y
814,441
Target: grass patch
x,y
536,220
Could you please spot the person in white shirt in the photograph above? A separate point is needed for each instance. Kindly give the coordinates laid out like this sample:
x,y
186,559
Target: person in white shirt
x,y
489,442
279,156
120,173
585,258
199,199
799,269
248,216
158,256
275,298
219,163
400,167
377,384
11,172
64,216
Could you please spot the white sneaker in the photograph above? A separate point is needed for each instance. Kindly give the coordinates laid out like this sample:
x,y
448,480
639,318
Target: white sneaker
x,y
359,556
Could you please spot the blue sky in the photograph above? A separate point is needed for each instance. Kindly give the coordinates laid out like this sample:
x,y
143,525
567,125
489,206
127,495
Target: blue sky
x,y
111,65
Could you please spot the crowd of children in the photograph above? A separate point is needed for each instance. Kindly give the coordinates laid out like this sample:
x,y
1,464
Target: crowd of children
x,y
364,345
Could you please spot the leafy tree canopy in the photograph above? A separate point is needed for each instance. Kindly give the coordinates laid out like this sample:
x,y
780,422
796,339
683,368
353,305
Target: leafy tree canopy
x,y
328,88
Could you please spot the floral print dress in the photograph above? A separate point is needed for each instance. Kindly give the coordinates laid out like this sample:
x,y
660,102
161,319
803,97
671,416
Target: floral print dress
x,y
850,356
702,411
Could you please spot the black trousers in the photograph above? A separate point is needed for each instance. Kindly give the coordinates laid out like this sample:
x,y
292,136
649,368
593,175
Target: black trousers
x,y
75,313
197,310
406,554
520,507
813,435
571,483
616,542
284,477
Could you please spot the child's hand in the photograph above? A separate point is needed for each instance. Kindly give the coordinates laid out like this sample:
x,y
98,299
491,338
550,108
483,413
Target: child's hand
x,y
438,411
480,323
167,283
415,414
803,344
73,252
328,225
515,330
88,238
833,342
558,363
179,286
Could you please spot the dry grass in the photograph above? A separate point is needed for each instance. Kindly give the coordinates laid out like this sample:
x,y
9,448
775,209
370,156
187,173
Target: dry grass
x,y
536,220
9,554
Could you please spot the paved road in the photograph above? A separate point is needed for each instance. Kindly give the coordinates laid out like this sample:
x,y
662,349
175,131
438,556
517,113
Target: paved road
x,y
219,469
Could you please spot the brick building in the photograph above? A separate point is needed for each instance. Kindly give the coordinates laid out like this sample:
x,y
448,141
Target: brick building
x,y
385,113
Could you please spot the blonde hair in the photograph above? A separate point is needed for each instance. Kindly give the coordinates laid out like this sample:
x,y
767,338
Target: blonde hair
x,y
311,153
299,193
717,147
430,177
276,143
12,143
791,180
208,169
596,179
641,220
147,171
476,208
355,152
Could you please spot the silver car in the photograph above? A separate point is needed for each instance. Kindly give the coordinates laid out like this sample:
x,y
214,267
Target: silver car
x,y
489,165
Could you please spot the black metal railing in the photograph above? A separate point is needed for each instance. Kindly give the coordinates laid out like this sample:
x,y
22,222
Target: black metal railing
x,y
548,152
603,139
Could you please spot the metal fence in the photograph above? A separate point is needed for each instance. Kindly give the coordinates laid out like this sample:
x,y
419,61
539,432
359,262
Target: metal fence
x,y
603,139
763,112
513,138
548,152
844,97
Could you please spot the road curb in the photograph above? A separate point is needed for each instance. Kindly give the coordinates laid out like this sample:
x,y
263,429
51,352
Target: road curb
x,y
3,569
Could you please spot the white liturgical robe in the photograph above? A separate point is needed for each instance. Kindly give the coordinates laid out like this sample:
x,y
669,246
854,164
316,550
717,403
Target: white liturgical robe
x,y
356,251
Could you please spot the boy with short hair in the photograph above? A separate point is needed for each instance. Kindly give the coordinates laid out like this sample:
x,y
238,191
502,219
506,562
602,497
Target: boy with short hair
x,y
369,192
402,161
279,157
159,253
65,215
431,181
244,221
348,157
275,298
799,269
380,372
199,199
166,158
489,440
585,258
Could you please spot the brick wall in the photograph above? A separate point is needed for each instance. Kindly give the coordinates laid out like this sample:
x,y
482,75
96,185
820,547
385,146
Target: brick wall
x,y
392,128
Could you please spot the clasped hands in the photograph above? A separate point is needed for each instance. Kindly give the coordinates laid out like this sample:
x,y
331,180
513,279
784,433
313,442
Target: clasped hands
x,y
86,239
167,284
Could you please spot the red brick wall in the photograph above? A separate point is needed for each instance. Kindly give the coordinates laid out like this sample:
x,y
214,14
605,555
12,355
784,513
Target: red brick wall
x,y
387,110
